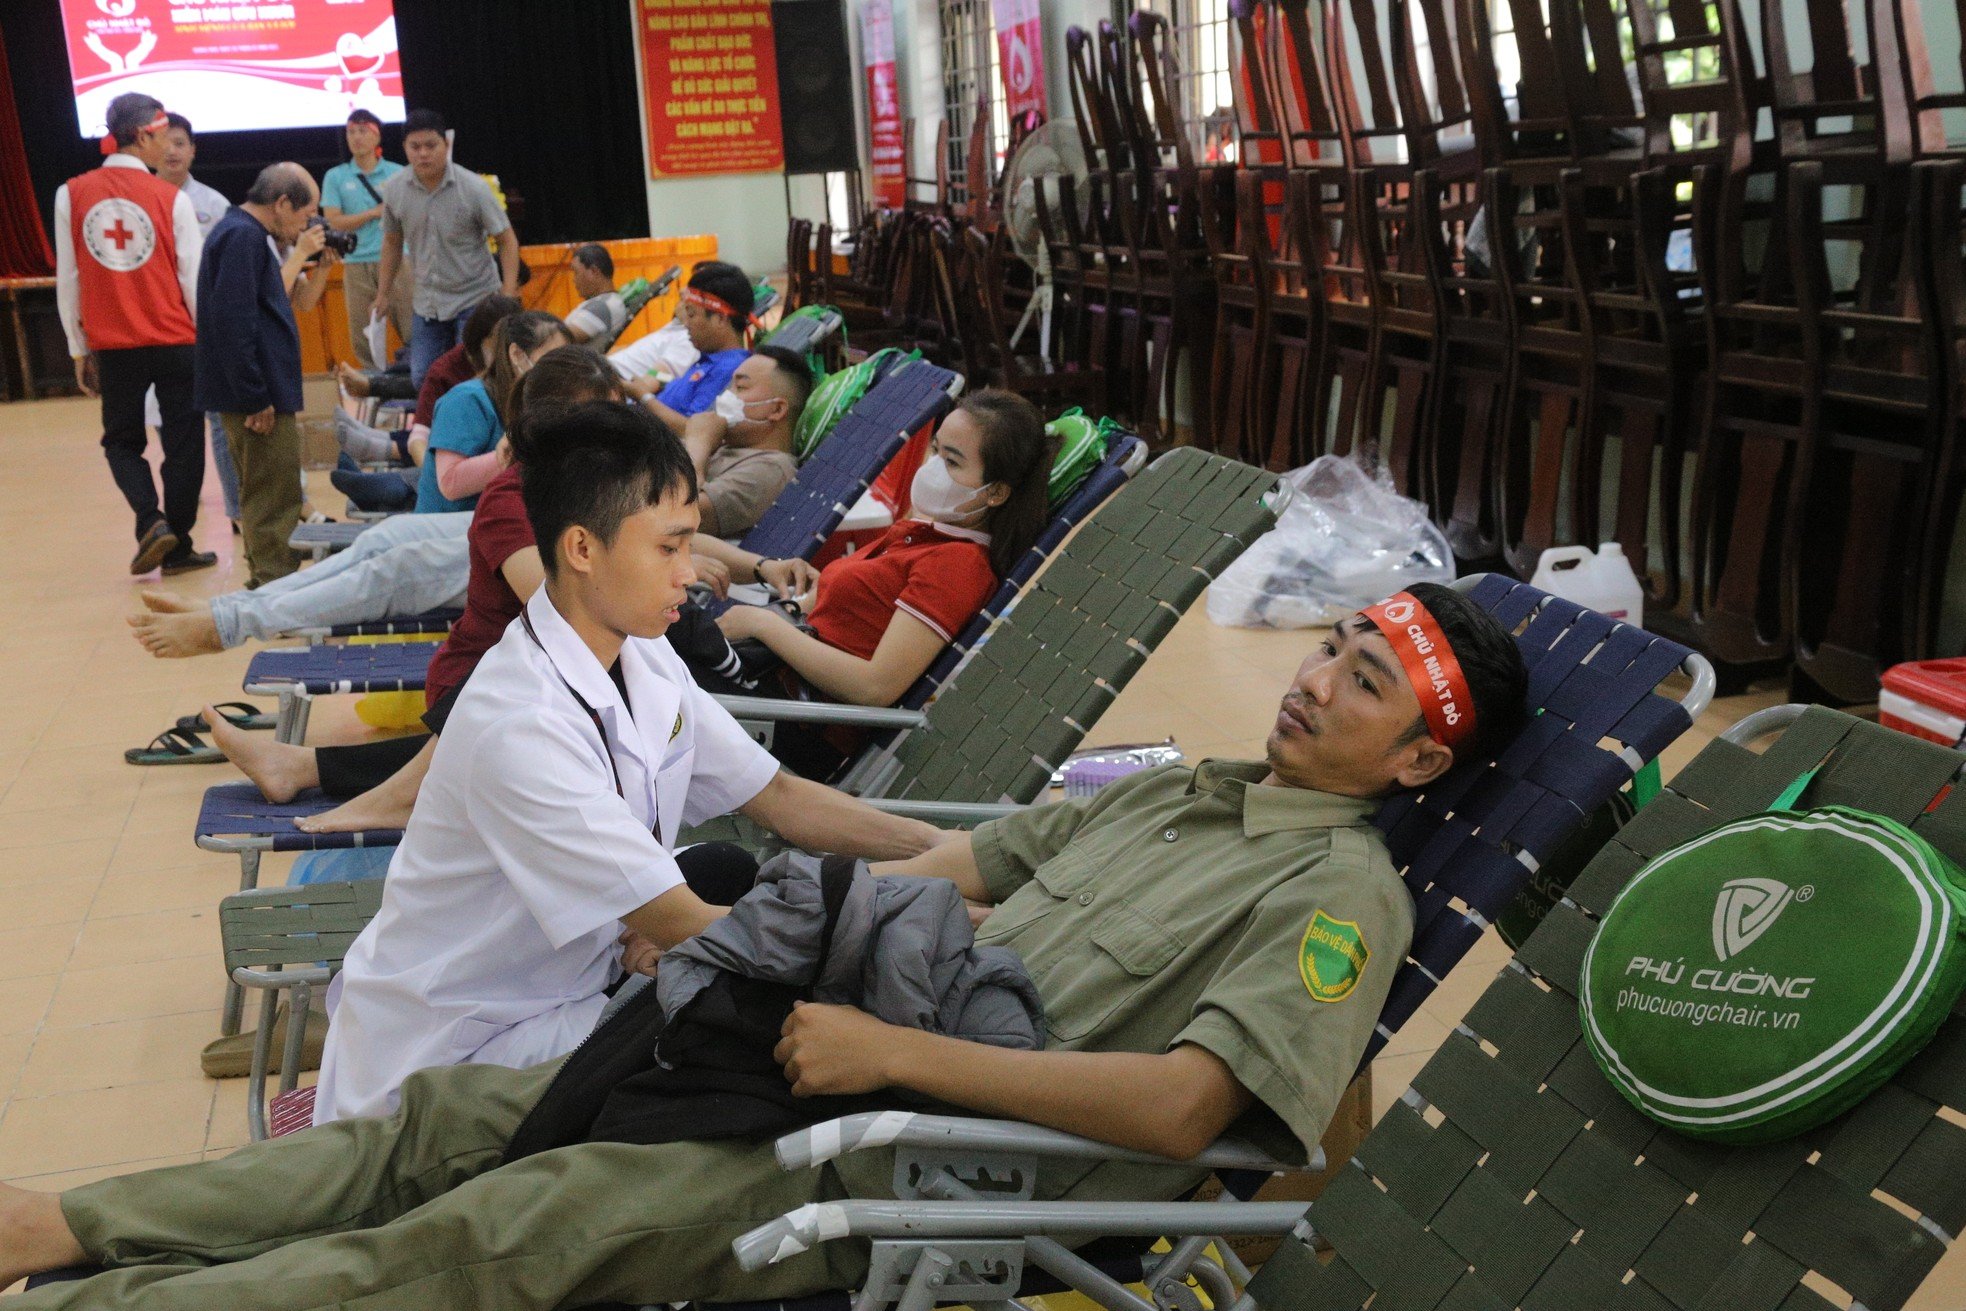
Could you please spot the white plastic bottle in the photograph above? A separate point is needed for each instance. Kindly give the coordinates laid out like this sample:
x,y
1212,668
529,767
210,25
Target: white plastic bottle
x,y
1601,579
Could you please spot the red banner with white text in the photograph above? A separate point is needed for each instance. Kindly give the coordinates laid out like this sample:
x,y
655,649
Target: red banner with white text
x,y
883,104
712,84
1020,51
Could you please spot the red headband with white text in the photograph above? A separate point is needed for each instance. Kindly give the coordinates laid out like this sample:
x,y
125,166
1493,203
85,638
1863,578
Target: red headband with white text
x,y
1445,699
715,304
157,124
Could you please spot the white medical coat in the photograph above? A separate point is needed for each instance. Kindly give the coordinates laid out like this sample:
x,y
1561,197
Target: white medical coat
x,y
499,919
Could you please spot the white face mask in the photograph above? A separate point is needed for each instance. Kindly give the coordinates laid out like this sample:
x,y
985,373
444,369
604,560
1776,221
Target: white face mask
x,y
935,495
731,408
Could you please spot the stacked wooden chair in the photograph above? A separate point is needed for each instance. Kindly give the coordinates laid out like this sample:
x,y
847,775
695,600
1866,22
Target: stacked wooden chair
x,y
1681,275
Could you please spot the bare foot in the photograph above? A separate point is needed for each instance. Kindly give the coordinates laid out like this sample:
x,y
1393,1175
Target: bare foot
x,y
374,809
34,1237
352,380
169,603
174,636
278,769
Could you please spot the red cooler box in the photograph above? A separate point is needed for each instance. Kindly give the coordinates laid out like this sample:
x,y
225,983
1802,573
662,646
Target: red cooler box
x,y
1926,698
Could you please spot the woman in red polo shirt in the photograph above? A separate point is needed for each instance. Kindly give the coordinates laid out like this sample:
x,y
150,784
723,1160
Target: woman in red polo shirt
x,y
878,618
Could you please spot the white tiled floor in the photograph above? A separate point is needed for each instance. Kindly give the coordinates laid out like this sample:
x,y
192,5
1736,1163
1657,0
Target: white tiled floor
x,y
110,975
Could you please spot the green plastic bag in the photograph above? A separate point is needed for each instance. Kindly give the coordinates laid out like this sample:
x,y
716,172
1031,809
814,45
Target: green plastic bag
x,y
1767,976
1081,446
837,393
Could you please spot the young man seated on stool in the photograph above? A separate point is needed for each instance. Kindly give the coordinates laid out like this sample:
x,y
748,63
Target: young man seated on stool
x,y
1252,1013
576,754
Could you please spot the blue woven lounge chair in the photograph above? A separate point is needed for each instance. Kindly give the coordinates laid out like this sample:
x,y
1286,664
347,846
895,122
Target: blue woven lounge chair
x,y
1465,846
805,334
322,539
236,820
866,437
802,517
428,622
299,674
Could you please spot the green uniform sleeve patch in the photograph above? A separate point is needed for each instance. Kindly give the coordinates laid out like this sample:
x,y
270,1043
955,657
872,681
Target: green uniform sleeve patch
x,y
1331,957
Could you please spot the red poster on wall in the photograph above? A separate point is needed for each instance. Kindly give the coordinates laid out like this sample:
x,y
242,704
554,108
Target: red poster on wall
x,y
883,104
712,83
1020,50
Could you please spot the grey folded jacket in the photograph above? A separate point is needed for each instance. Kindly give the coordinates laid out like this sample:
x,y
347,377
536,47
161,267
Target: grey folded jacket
x,y
902,949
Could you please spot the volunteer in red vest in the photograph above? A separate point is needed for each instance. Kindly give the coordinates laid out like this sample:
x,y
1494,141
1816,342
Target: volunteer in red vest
x,y
126,279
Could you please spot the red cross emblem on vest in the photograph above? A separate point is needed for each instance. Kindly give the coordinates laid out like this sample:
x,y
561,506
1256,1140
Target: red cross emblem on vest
x,y
119,234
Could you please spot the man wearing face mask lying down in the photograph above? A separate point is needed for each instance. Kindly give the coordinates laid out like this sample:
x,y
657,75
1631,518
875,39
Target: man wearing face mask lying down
x,y
742,446
874,621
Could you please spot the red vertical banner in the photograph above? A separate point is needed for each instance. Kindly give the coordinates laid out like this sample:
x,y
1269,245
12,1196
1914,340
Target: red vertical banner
x,y
711,77
1020,51
883,104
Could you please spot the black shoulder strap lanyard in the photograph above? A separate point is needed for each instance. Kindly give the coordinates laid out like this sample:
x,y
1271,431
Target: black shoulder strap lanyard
x,y
592,713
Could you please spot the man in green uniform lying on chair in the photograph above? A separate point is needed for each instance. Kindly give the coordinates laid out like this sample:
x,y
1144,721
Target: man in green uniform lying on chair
x,y
1212,947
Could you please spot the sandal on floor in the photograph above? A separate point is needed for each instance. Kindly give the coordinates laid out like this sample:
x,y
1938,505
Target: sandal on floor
x,y
248,716
174,746
232,1058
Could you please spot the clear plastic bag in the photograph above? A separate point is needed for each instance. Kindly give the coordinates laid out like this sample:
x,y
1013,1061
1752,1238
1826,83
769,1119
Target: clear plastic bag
x,y
1344,540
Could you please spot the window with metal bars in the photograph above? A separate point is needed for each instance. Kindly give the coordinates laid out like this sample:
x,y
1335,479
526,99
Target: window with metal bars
x,y
969,71
1204,89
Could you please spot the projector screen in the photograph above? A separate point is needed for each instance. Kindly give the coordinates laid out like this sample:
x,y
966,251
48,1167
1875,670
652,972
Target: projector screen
x,y
236,67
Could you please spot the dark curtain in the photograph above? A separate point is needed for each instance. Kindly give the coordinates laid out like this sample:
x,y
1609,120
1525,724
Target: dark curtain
x,y
541,92
24,250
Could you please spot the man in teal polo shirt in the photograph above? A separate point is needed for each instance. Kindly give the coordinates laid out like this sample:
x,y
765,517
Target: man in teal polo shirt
x,y
351,201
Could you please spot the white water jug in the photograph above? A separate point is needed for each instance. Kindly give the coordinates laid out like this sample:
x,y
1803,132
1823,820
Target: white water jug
x,y
1601,579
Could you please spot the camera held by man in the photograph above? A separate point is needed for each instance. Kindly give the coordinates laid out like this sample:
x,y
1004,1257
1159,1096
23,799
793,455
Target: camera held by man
x,y
341,243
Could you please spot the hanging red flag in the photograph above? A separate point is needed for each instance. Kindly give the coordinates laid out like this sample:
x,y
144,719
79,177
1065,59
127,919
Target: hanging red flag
x,y
883,104
1020,50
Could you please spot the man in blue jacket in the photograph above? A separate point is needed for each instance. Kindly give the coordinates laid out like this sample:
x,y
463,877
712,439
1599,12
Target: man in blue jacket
x,y
248,361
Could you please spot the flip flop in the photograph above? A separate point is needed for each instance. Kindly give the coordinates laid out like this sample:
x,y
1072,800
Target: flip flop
x,y
249,717
232,1058
174,747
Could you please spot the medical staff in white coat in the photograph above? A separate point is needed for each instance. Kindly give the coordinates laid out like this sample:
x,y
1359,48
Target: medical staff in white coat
x,y
576,753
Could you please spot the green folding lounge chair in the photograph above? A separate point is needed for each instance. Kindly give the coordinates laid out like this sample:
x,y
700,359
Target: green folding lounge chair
x,y
1514,1175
